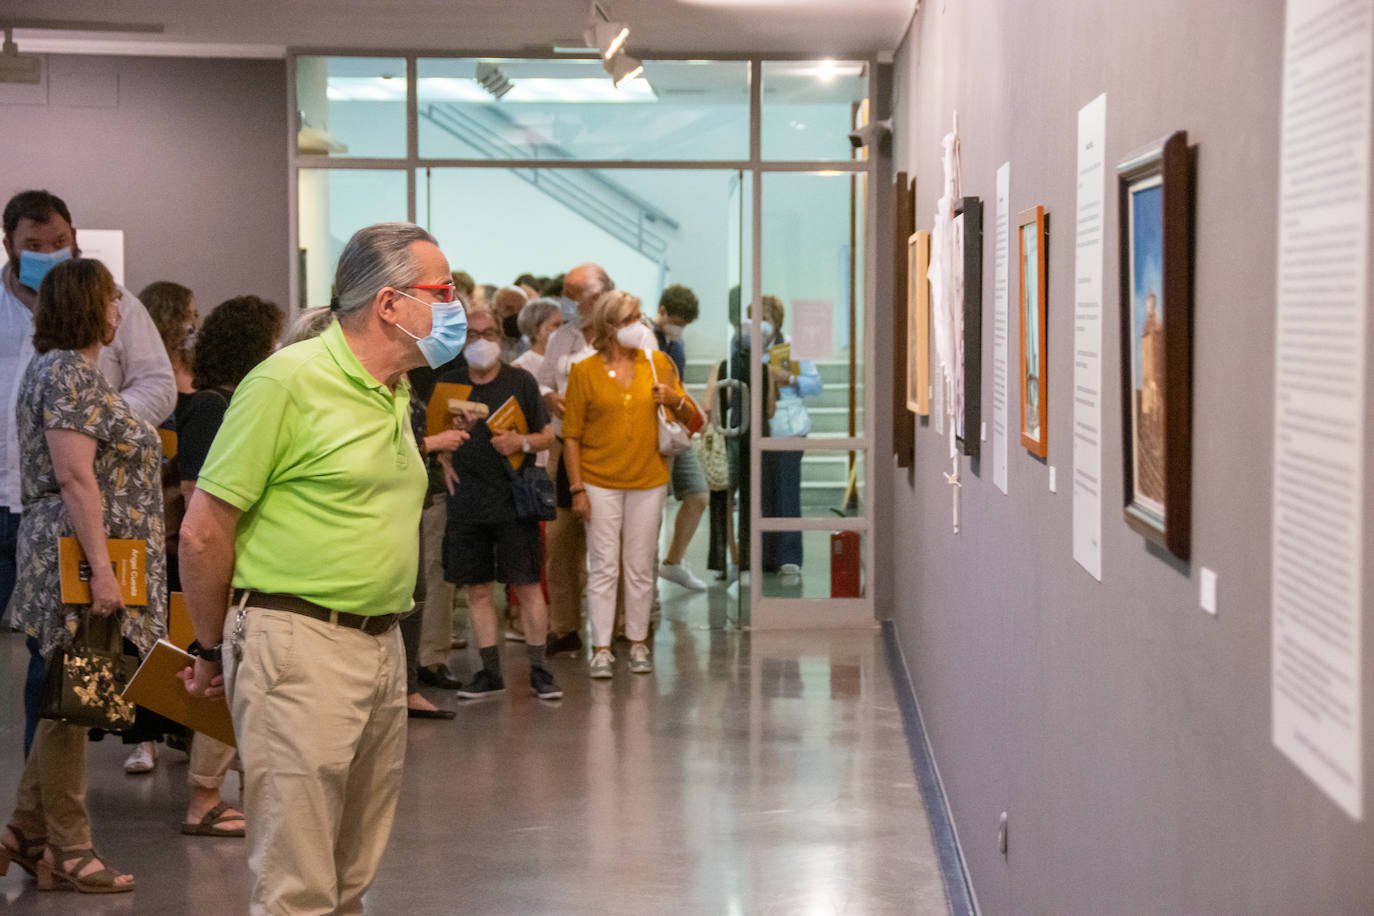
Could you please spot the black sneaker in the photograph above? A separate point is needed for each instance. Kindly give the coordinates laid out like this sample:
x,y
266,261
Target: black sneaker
x,y
483,685
564,642
543,685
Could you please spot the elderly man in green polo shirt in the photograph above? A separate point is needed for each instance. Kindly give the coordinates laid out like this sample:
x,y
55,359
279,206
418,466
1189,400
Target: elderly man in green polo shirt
x,y
309,505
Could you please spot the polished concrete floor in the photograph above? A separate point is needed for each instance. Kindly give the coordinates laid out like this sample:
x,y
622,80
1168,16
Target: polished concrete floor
x,y
751,773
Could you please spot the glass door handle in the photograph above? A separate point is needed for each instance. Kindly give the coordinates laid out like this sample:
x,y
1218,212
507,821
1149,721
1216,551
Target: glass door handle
x,y
734,432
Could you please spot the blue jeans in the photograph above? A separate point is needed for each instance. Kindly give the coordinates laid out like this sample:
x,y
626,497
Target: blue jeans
x,y
781,498
9,547
33,692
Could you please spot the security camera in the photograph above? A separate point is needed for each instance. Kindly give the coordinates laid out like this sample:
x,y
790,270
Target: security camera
x,y
871,134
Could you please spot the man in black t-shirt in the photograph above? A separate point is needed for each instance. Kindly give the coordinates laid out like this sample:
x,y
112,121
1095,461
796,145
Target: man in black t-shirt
x,y
484,542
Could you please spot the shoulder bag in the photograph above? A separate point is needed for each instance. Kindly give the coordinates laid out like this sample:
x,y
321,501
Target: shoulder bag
x,y
673,437
534,494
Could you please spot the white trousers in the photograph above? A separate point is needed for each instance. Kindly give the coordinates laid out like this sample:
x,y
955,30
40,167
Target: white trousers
x,y
623,524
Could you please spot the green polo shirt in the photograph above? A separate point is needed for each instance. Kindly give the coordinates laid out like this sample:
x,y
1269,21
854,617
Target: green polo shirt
x,y
320,458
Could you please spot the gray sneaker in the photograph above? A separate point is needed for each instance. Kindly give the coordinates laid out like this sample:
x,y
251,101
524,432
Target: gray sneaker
x,y
641,662
601,664
543,685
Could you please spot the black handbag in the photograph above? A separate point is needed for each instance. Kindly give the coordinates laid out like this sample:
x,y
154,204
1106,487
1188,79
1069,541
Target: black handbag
x,y
533,491
85,681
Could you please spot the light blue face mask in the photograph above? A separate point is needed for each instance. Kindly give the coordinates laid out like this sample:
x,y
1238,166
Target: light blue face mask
x,y
448,332
569,308
34,265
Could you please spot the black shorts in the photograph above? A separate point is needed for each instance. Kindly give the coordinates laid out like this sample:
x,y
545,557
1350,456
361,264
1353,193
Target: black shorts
x,y
505,552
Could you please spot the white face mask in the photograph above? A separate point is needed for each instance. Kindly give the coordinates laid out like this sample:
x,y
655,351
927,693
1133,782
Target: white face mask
x,y
766,329
672,332
482,354
633,336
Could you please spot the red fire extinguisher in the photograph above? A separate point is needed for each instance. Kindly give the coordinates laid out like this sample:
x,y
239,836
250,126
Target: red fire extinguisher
x,y
844,564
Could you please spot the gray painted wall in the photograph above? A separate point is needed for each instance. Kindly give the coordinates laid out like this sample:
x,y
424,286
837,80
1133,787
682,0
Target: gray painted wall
x,y
1126,732
188,157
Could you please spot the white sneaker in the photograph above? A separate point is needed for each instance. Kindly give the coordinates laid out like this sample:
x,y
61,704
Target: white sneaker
x,y
641,662
601,664
679,573
143,759
790,569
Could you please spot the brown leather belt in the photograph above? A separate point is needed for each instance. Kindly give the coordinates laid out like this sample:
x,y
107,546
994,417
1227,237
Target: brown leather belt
x,y
374,625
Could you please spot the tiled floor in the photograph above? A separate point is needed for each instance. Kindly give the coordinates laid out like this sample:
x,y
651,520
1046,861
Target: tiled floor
x,y
752,773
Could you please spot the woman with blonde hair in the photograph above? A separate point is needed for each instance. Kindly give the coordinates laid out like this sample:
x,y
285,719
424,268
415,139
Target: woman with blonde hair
x,y
617,476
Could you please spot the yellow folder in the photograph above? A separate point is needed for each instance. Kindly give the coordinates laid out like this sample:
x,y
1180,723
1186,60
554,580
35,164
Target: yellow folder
x,y
436,412
156,686
780,356
129,558
509,416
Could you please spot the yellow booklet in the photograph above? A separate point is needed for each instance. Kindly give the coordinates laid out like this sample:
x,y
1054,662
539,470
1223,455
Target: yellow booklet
x,y
128,556
179,629
156,686
436,412
509,416
169,442
780,356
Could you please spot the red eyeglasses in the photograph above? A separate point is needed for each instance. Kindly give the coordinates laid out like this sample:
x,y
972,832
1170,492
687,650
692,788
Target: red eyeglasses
x,y
450,291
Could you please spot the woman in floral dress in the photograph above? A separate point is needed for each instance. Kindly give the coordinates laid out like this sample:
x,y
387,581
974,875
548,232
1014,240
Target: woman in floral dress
x,y
89,468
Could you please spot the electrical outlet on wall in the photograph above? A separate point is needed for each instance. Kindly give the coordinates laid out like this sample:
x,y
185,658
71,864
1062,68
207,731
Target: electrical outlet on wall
x,y
1052,483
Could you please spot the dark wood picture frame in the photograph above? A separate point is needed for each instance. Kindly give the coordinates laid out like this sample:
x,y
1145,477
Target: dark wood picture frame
x,y
1154,188
904,220
1035,412
971,348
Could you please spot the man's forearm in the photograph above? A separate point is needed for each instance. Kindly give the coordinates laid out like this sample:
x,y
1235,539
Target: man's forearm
x,y
207,564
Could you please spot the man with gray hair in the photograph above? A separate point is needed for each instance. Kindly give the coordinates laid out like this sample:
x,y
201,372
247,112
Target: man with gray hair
x,y
309,504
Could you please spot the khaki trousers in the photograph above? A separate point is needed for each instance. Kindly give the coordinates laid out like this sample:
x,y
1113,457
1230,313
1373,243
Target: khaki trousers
x,y
210,760
436,617
320,717
51,801
566,544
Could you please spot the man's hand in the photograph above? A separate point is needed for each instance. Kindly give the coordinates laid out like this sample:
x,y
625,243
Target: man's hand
x,y
507,442
554,402
203,679
445,441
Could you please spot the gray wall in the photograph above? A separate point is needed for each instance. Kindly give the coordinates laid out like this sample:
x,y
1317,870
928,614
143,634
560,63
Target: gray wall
x,y
188,158
1126,732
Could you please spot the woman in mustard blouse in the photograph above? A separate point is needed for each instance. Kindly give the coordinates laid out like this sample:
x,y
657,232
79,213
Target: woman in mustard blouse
x,y
618,478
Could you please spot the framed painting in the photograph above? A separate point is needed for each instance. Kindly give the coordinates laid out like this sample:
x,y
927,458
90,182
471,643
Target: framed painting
x,y
903,423
1031,241
968,326
918,324
1154,187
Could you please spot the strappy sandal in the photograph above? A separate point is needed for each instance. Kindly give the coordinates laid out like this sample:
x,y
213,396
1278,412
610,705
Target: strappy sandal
x,y
67,871
209,824
26,856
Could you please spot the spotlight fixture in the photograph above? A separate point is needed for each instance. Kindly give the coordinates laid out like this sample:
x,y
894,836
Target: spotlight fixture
x,y
490,78
601,33
623,68
16,67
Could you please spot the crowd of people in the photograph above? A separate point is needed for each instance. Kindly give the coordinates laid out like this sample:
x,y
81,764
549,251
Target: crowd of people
x,y
321,494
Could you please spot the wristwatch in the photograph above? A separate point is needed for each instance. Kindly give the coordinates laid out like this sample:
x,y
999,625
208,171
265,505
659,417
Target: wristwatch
x,y
210,654
525,444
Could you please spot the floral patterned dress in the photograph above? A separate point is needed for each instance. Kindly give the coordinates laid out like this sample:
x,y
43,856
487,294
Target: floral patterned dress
x,y
61,390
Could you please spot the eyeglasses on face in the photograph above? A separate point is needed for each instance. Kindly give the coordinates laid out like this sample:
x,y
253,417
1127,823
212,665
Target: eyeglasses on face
x,y
450,292
491,334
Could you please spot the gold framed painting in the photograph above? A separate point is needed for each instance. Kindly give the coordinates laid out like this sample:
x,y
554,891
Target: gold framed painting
x,y
918,323
1031,239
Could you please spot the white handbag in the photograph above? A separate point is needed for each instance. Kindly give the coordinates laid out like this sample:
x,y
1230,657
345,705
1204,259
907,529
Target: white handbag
x,y
673,437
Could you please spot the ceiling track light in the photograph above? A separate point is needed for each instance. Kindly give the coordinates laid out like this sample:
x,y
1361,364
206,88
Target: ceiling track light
x,y
490,78
602,33
623,68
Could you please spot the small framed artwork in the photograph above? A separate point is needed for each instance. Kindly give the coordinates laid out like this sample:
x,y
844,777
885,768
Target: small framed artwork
x,y
1031,241
904,220
968,326
1155,190
918,324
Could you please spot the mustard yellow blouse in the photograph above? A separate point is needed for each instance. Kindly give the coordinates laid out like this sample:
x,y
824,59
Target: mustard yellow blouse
x,y
617,427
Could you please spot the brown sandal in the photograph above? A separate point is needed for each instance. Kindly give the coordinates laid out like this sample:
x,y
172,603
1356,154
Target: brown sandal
x,y
26,856
210,822
97,882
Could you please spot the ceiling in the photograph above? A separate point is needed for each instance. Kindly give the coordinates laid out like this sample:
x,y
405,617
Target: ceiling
x,y
266,28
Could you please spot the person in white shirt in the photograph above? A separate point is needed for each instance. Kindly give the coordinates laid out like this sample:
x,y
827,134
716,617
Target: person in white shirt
x,y
38,233
567,534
